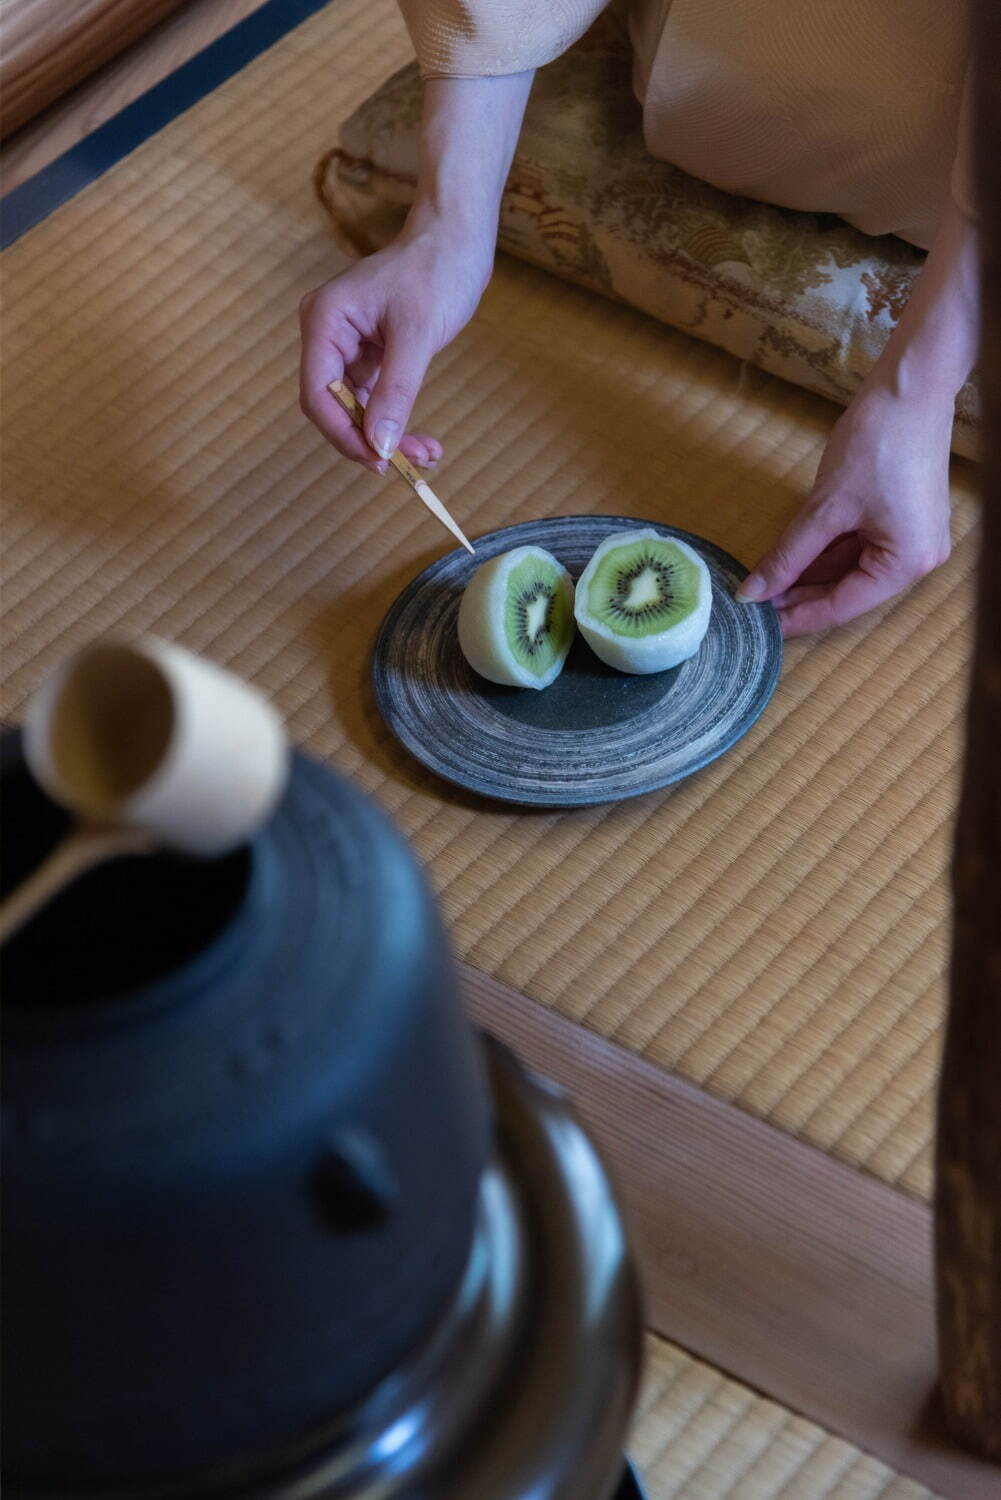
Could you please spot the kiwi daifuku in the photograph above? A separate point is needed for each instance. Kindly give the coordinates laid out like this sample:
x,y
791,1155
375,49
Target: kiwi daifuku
x,y
643,601
516,618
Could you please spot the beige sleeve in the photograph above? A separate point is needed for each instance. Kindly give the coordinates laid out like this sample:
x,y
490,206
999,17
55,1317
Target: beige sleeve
x,y
484,38
963,182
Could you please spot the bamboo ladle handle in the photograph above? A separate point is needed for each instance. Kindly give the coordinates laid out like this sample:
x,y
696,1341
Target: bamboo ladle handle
x,y
89,845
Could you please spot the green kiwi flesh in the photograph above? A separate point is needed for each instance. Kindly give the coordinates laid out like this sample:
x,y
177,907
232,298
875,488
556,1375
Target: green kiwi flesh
x,y
643,587
538,617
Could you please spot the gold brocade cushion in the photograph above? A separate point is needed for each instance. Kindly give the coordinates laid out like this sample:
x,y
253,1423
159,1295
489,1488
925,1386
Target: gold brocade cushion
x,y
802,295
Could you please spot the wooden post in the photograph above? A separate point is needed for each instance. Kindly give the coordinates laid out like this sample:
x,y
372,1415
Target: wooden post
x,y
968,1168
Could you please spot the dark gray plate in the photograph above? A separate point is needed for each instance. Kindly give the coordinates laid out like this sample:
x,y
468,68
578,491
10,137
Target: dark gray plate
x,y
594,735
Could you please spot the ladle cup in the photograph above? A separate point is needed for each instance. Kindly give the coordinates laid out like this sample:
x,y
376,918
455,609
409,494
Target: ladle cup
x,y
149,746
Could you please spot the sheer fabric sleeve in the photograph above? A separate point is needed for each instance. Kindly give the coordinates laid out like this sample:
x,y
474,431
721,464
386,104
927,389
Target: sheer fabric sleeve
x,y
484,38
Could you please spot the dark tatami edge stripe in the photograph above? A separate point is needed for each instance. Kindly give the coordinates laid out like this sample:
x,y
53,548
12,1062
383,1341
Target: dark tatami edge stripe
x,y
26,205
789,1270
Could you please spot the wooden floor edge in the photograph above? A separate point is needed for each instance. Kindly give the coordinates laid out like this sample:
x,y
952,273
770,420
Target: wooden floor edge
x,y
117,83
789,1270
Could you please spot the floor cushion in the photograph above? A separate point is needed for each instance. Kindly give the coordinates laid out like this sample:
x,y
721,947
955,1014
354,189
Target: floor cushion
x,y
802,295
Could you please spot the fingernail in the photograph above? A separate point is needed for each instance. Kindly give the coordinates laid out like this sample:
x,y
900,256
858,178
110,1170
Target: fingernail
x,y
386,436
751,589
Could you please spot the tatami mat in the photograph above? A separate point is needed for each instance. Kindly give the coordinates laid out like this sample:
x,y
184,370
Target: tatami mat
x,y
699,1435
775,928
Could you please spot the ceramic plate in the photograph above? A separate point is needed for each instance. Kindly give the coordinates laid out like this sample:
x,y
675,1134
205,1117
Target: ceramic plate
x,y
595,735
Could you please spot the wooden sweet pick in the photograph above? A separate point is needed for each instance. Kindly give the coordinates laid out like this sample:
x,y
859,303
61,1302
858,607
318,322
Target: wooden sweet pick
x,y
401,464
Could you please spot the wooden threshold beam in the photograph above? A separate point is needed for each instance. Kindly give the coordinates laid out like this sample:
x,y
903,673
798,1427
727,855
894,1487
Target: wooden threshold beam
x,y
791,1271
150,59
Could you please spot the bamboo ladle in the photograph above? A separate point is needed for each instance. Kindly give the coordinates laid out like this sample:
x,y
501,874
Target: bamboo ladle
x,y
150,747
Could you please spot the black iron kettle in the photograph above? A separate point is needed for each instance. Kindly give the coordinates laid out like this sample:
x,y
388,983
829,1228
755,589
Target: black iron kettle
x,y
276,1222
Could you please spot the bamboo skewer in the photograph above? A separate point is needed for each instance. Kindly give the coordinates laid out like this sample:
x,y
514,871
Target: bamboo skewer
x,y
401,464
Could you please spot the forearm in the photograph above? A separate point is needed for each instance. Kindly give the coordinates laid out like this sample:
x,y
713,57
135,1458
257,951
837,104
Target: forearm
x,y
933,348
469,130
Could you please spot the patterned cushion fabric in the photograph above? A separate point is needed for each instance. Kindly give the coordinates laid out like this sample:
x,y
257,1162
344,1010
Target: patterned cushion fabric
x,y
802,295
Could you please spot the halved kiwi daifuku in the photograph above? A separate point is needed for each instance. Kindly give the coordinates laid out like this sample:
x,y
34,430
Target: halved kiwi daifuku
x,y
516,618
643,601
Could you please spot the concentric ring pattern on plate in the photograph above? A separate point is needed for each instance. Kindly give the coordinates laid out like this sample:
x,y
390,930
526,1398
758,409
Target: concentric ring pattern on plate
x,y
595,735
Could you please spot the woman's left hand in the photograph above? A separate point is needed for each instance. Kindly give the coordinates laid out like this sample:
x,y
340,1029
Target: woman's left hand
x,y
877,518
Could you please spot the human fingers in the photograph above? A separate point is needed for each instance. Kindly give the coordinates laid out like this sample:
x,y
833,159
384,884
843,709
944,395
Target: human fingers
x,y
833,563
421,449
837,559
801,544
363,371
405,359
819,606
329,343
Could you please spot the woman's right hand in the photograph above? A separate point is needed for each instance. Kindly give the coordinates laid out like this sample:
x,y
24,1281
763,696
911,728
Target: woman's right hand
x,y
378,325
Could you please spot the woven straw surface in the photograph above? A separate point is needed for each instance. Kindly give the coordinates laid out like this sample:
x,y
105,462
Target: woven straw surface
x,y
699,1435
775,929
